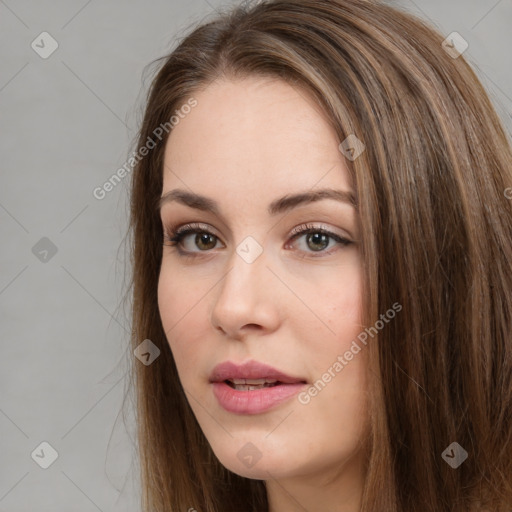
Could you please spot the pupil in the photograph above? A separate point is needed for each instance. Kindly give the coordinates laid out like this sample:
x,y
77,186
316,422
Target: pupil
x,y
203,238
317,237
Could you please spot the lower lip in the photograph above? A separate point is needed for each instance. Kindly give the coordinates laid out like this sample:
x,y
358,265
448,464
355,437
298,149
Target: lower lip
x,y
256,401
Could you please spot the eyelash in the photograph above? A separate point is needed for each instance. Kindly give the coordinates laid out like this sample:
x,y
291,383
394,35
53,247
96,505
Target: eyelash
x,y
174,237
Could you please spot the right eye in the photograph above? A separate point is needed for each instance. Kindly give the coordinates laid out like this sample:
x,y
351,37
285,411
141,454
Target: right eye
x,y
203,237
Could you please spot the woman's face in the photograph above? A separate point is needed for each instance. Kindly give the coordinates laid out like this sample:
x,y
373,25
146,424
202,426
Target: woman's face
x,y
247,289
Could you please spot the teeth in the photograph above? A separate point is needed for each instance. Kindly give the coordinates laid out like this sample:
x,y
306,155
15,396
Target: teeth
x,y
251,384
243,387
252,381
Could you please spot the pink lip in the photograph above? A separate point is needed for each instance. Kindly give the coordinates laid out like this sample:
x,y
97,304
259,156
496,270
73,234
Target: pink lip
x,y
256,401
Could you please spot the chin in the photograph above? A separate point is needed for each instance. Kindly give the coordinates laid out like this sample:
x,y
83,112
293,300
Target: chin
x,y
255,473
254,459
262,470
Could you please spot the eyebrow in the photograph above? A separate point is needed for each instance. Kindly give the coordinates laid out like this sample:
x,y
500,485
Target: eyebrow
x,y
281,205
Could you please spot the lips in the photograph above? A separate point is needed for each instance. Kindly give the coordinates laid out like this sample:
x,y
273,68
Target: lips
x,y
253,387
252,372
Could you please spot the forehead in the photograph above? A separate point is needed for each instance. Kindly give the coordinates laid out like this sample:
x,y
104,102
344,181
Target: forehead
x,y
253,134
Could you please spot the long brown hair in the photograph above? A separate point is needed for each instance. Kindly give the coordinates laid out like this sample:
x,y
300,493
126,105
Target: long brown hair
x,y
436,228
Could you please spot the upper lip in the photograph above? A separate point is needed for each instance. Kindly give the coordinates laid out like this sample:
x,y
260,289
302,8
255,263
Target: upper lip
x,y
250,370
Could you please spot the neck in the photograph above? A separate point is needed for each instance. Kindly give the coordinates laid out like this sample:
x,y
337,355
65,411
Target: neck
x,y
336,488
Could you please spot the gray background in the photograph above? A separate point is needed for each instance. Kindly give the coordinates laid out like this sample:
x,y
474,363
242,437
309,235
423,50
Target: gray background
x,y
67,124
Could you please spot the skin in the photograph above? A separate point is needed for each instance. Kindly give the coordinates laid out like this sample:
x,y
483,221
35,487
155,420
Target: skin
x,y
296,308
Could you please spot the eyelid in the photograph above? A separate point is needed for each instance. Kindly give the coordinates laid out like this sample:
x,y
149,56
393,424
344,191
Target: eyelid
x,y
177,227
199,226
176,233
302,228
172,231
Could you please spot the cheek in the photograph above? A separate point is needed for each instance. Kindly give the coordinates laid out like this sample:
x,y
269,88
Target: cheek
x,y
179,297
339,308
180,305
346,321
343,305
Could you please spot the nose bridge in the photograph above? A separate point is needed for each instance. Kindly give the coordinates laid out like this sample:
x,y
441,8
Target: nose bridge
x,y
244,296
247,269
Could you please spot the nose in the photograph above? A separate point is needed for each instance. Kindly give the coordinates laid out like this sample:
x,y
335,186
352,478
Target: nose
x,y
247,299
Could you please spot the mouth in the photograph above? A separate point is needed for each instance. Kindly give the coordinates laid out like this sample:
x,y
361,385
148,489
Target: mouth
x,y
252,387
251,373
252,384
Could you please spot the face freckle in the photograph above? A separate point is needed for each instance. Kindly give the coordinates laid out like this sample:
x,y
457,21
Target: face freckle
x,y
247,143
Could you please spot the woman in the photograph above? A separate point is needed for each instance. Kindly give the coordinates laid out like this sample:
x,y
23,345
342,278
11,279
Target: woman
x,y
322,262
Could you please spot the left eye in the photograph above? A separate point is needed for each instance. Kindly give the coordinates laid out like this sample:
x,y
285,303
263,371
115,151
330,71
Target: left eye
x,y
317,239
